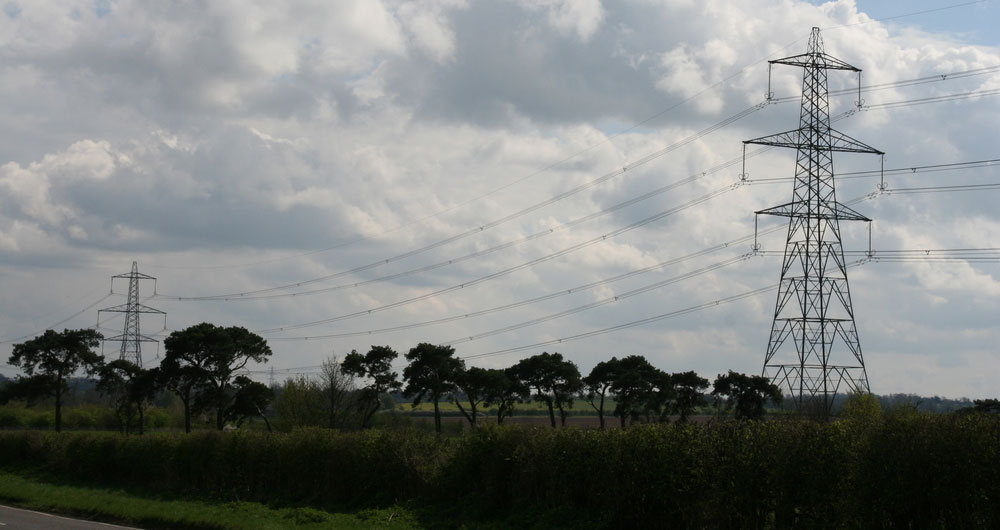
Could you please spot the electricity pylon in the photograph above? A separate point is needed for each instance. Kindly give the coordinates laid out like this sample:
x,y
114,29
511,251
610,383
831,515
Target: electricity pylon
x,y
131,338
814,347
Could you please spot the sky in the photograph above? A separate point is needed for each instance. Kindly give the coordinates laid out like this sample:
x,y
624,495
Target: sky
x,y
506,177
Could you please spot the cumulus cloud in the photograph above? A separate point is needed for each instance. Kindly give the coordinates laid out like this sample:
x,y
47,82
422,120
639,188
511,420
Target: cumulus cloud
x,y
570,17
235,146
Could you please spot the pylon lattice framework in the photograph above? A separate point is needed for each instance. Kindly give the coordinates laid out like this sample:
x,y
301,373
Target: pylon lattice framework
x,y
131,338
813,317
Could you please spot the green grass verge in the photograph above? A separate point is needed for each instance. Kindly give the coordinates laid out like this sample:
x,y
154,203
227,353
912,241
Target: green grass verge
x,y
118,506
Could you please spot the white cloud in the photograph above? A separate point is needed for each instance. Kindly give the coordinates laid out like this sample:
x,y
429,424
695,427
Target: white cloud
x,y
579,17
302,139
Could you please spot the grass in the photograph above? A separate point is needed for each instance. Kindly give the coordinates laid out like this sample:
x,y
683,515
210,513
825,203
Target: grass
x,y
118,506
531,407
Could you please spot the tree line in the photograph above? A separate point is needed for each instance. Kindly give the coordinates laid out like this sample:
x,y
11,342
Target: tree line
x,y
202,363
640,391
200,366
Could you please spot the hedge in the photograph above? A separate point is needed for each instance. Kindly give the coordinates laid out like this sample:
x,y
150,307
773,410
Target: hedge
x,y
913,472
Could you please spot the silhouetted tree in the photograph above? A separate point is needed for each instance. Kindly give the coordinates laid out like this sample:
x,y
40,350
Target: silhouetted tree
x,y
376,366
249,399
49,360
432,373
746,393
130,387
990,406
183,369
635,383
662,397
598,383
503,388
689,393
215,353
555,381
474,382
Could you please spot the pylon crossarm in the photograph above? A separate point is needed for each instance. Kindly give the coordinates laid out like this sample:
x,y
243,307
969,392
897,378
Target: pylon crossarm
x,y
782,139
139,338
842,143
839,142
136,275
829,210
814,60
124,308
842,212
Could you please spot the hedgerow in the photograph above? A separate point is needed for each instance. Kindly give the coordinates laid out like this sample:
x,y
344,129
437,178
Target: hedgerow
x,y
906,471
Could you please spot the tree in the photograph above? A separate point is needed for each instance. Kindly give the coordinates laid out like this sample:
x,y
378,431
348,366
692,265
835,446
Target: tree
x,y
182,370
861,409
689,392
988,406
376,366
131,388
555,381
598,383
213,354
50,359
476,384
182,379
746,393
249,400
301,402
634,385
338,389
503,389
432,373
663,397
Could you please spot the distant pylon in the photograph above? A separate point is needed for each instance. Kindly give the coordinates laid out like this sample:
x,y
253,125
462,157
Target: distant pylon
x,y
131,338
814,347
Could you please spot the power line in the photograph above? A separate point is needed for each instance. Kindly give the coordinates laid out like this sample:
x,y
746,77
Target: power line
x,y
492,224
626,325
59,323
936,78
605,301
503,246
509,270
988,254
933,99
872,173
508,185
479,280
553,295
249,294
634,323
913,13
941,189
648,158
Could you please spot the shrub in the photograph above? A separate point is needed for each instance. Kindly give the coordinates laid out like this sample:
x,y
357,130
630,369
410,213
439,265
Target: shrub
x,y
907,471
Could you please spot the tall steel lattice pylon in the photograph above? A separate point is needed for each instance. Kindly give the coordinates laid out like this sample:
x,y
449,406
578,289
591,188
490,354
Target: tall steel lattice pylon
x,y
814,348
131,338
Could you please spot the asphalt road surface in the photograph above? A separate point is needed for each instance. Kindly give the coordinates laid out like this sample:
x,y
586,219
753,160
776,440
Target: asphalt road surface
x,y
18,519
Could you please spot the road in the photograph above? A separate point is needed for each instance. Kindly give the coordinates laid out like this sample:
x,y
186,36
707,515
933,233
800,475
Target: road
x,y
18,519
